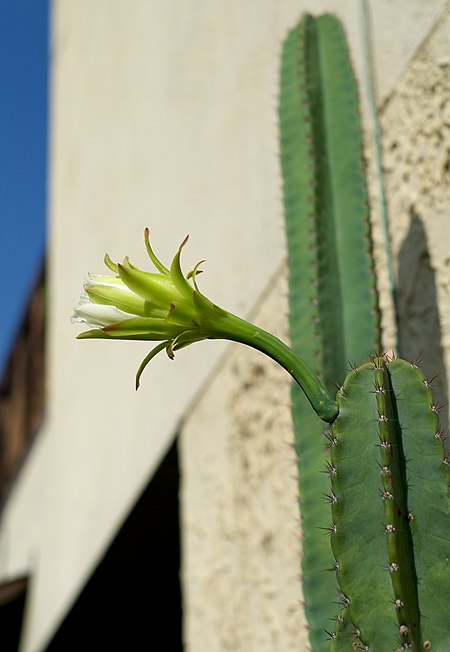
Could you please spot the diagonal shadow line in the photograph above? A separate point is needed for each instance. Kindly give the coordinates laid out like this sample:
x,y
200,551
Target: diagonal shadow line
x,y
419,328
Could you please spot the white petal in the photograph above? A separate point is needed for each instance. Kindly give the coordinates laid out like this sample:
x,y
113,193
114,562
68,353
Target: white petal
x,y
84,298
95,314
108,281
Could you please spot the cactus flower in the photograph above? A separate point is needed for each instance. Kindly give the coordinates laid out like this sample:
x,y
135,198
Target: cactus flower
x,y
167,307
131,304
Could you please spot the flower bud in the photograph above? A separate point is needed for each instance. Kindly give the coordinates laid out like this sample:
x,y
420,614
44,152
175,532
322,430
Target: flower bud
x,y
131,304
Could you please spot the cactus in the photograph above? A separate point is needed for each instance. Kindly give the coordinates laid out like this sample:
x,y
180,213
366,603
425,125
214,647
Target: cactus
x,y
388,577
333,303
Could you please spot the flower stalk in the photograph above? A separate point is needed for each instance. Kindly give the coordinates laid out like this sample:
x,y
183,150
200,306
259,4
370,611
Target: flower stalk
x,y
168,307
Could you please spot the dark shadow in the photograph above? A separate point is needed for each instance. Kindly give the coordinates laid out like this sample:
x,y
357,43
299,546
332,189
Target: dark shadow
x,y
133,600
419,329
12,605
22,389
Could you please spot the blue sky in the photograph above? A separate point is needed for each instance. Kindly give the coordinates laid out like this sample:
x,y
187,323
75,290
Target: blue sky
x,y
24,62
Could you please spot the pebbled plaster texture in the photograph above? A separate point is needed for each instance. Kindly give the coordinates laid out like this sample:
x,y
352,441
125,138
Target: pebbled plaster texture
x,y
239,496
416,134
239,505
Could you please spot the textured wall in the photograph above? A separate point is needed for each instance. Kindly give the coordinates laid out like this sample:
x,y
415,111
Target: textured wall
x,y
416,126
240,514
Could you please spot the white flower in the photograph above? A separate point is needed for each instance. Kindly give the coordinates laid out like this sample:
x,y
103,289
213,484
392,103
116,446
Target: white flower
x,y
132,304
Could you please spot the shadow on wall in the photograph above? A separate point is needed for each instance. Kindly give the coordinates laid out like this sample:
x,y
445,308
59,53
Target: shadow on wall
x,y
22,390
132,601
418,321
12,606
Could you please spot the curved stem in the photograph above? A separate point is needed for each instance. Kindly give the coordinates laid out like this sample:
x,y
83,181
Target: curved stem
x,y
233,328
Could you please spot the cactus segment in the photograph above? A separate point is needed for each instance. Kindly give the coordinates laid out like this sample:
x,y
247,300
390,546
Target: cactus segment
x,y
428,477
347,297
298,165
390,529
358,536
299,174
332,290
326,207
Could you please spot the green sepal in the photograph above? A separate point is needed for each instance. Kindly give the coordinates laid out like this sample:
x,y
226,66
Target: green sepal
x,y
152,328
150,286
114,267
176,273
159,347
184,339
122,299
151,254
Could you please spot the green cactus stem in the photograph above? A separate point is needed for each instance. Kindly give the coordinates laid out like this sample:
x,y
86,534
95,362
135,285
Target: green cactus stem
x,y
390,531
230,327
428,477
332,289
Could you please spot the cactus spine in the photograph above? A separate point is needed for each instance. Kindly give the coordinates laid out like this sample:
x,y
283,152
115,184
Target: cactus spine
x,y
333,302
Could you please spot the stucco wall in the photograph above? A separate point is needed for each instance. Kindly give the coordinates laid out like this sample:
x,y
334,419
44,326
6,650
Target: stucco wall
x,y
241,541
239,504
416,126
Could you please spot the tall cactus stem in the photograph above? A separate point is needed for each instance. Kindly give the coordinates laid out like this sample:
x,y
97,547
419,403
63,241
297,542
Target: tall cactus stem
x,y
332,289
